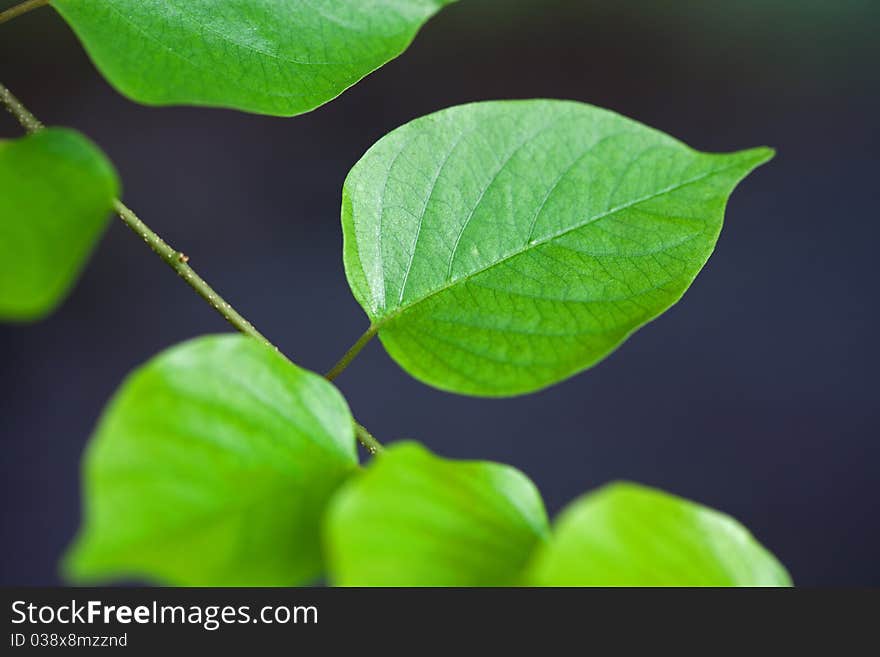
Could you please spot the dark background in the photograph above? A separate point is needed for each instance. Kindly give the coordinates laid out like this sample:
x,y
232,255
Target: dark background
x,y
757,394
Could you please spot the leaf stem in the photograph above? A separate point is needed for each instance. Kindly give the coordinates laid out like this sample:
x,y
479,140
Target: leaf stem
x,y
350,355
23,8
366,439
178,261
27,120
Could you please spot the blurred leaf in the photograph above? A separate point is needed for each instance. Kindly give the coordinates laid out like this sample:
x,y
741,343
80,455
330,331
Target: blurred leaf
x,y
279,58
501,247
212,466
413,519
629,535
56,194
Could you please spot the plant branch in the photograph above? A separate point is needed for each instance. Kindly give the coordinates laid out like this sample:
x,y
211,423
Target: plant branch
x,y
27,120
177,260
366,439
351,354
23,8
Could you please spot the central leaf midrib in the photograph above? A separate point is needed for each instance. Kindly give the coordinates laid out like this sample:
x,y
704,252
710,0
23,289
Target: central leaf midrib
x,y
384,321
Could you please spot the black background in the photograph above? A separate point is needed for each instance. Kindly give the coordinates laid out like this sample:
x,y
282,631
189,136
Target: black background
x,y
757,394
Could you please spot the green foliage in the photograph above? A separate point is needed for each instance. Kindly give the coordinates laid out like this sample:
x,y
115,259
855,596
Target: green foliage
x,y
629,535
56,193
212,466
279,58
501,247
497,248
413,519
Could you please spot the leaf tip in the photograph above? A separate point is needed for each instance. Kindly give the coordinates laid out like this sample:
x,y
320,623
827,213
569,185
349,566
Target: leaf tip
x,y
760,155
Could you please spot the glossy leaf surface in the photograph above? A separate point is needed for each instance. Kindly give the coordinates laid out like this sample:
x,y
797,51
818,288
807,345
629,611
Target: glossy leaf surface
x,y
630,535
212,466
56,194
413,519
501,247
279,57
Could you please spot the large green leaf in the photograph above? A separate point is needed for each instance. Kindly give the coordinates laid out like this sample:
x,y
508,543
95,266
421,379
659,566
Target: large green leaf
x,y
56,193
501,247
212,466
280,57
413,519
629,535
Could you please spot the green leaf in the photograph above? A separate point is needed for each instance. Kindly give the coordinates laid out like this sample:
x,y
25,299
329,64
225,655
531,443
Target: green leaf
x,y
212,466
270,57
501,247
413,519
56,193
629,535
